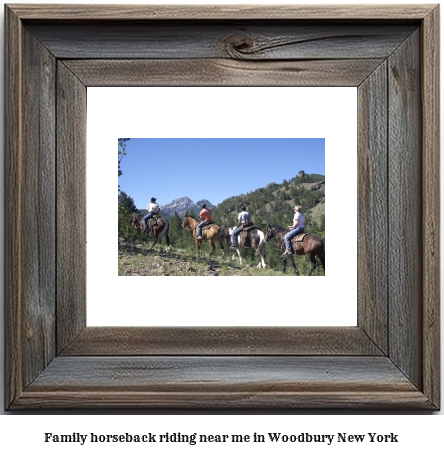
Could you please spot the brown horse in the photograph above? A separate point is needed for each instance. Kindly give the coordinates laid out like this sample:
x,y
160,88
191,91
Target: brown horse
x,y
159,227
310,245
212,234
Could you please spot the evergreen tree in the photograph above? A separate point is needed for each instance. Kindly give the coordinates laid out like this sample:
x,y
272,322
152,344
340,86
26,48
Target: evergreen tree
x,y
126,212
127,201
176,223
177,232
121,152
322,224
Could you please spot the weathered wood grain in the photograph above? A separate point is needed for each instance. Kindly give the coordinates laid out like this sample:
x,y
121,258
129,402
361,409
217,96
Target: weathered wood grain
x,y
206,373
235,40
221,72
14,362
372,207
347,398
38,192
430,95
234,382
71,206
127,341
29,203
220,12
405,209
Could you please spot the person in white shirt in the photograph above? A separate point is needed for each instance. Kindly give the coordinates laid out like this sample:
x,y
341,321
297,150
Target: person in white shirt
x,y
244,219
153,209
296,228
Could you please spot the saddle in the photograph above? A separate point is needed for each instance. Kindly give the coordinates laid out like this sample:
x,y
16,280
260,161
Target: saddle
x,y
209,225
244,239
249,228
298,238
152,222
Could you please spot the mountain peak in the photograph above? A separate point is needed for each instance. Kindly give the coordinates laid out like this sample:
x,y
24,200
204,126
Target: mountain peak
x,y
184,204
182,200
204,201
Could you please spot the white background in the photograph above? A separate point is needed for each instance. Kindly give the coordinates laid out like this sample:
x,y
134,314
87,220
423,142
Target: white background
x,y
273,112
419,433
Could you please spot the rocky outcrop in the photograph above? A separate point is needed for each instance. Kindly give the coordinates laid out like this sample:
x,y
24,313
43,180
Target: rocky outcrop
x,y
318,186
183,205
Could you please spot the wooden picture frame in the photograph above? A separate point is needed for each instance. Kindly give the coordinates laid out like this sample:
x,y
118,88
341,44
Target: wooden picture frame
x,y
390,360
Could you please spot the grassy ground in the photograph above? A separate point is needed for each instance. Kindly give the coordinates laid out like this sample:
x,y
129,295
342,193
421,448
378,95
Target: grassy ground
x,y
139,260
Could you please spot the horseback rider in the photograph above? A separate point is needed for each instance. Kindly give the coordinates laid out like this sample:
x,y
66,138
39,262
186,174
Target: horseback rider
x,y
205,216
153,209
244,220
296,228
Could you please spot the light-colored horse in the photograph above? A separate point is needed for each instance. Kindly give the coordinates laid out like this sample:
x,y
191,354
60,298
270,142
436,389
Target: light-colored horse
x,y
254,239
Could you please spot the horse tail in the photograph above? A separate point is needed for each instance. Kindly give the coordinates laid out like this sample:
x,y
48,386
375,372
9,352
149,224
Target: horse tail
x,y
220,233
165,230
167,227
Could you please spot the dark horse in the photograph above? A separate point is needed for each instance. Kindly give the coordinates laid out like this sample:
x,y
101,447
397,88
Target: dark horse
x,y
211,234
159,227
311,245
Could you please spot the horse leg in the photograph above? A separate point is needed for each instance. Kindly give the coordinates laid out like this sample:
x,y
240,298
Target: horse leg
x,y
168,240
240,258
262,262
312,258
285,265
261,253
154,243
221,243
213,246
294,265
322,258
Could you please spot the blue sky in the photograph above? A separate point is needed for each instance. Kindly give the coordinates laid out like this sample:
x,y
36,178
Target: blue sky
x,y
213,169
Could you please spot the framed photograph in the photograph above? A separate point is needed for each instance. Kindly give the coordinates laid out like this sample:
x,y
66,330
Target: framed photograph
x,y
264,171
56,359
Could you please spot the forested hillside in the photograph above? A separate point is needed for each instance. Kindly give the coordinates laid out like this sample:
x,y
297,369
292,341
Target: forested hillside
x,y
272,204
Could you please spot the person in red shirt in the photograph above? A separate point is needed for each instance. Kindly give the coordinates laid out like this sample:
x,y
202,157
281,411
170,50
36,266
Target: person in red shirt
x,y
205,216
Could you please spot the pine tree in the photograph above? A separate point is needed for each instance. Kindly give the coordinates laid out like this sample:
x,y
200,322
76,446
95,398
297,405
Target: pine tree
x,y
127,209
127,201
175,229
